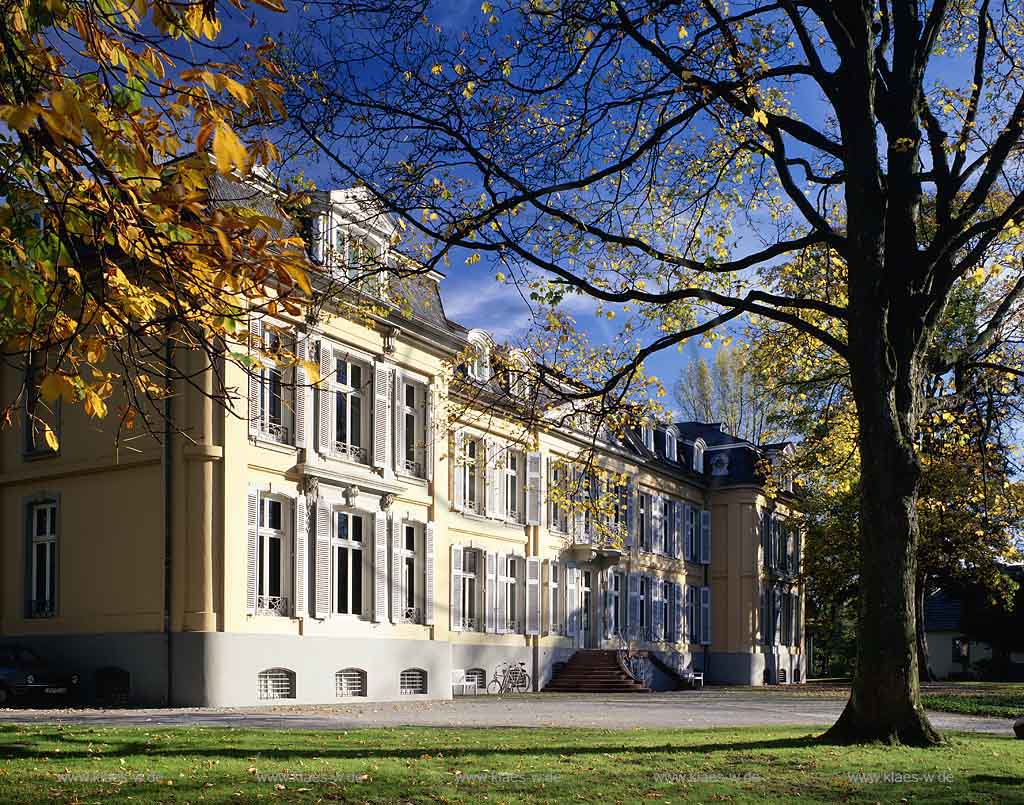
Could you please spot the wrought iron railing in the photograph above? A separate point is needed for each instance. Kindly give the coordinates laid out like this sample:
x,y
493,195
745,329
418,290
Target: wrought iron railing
x,y
350,451
272,605
413,468
275,432
469,624
42,608
411,615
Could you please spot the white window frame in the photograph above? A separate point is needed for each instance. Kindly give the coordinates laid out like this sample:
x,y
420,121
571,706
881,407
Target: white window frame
x,y
647,436
666,610
643,537
282,430
417,413
360,453
692,614
556,608
617,584
365,547
559,519
472,471
671,446
47,537
281,604
412,612
512,624
667,525
469,583
515,486
698,455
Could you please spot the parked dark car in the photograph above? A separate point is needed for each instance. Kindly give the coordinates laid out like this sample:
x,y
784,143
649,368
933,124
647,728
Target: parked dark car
x,y
24,676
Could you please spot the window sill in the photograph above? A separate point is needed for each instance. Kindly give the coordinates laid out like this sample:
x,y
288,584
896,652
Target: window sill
x,y
415,479
267,443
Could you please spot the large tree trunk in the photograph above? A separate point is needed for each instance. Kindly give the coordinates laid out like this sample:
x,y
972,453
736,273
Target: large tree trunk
x,y
885,701
924,665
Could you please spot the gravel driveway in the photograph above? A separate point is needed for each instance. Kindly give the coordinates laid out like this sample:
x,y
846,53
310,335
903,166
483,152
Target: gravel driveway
x,y
694,709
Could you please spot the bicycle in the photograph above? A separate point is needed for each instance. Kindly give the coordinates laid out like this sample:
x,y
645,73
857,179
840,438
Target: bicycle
x,y
509,679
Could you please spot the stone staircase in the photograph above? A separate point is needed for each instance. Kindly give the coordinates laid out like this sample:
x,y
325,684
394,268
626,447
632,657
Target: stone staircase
x,y
594,671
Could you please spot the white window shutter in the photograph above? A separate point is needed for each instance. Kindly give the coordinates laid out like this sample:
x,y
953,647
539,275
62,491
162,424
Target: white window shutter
x,y
380,567
325,431
428,573
322,591
490,478
428,432
501,609
456,589
500,470
458,472
533,596
776,616
534,502
302,392
252,552
491,594
688,533
301,549
253,371
397,580
381,400
649,521
705,615
397,423
705,537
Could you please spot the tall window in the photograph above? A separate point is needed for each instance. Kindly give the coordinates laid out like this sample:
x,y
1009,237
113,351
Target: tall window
x,y
42,419
692,613
559,515
670,446
666,610
43,560
644,594
698,456
272,411
667,524
350,529
555,601
411,612
273,578
470,589
351,410
647,436
645,508
470,475
617,599
512,603
413,428
514,487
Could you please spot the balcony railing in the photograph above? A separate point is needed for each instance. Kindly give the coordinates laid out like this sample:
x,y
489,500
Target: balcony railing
x,y
411,615
513,627
469,624
275,432
272,605
42,608
350,451
413,468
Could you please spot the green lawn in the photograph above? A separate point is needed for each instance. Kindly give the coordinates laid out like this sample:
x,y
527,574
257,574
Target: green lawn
x,y
972,698
108,765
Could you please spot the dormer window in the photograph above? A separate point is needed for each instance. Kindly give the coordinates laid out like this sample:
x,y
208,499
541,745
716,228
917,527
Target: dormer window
x,y
647,436
698,456
478,365
671,446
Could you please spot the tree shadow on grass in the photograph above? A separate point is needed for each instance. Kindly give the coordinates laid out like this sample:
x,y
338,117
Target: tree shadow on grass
x,y
23,749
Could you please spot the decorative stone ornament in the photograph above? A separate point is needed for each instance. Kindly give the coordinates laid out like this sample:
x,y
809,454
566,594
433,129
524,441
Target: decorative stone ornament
x,y
386,501
350,493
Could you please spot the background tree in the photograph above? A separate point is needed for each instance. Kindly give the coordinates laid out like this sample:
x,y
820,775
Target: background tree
x,y
731,391
661,159
115,117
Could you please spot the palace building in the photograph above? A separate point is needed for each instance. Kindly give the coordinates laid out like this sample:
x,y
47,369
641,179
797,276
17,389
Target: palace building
x,y
364,536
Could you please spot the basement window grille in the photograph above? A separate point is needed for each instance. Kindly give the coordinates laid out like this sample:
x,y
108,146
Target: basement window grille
x,y
412,682
276,683
350,682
